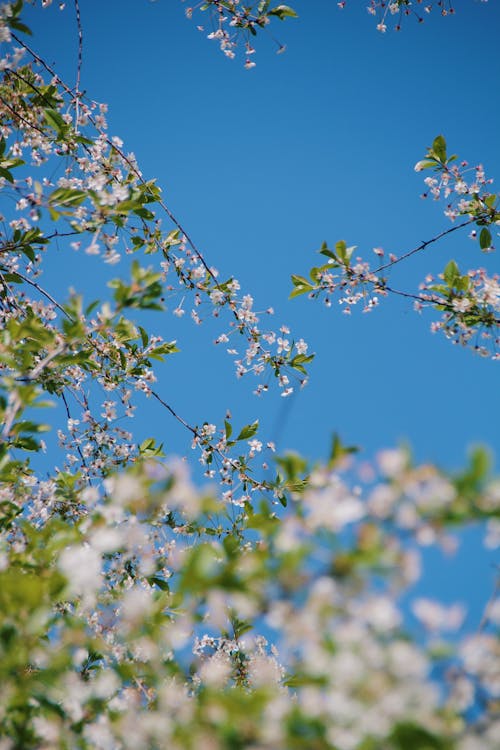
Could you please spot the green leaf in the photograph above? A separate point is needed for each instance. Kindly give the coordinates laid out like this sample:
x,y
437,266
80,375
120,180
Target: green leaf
x,y
292,465
240,627
339,451
27,426
439,148
301,286
144,336
343,252
18,26
485,239
20,590
300,281
480,462
149,448
159,352
425,164
451,273
248,431
325,250
54,119
299,361
158,581
6,174
408,736
67,197
282,12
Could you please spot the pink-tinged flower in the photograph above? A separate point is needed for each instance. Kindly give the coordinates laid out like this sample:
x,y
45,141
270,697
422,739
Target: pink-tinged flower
x,y
392,462
333,506
436,616
81,565
255,446
461,304
379,612
301,346
283,345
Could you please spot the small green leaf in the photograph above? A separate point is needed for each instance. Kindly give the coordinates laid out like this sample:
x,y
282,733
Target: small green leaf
x,y
485,239
299,280
248,431
144,336
343,252
158,581
451,273
282,12
55,120
439,148
301,286
67,197
6,174
425,164
339,451
20,27
325,250
299,361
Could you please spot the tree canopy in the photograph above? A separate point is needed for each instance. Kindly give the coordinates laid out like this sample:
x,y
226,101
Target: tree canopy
x,y
257,603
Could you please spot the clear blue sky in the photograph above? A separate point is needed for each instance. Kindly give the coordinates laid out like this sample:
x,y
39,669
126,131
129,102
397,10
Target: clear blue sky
x,y
261,166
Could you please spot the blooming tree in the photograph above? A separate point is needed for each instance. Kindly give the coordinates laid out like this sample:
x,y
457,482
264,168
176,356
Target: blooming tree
x,y
138,610
468,303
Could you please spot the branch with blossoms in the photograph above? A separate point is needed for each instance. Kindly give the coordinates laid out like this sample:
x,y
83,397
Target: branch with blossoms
x,y
110,351
104,194
234,24
392,13
108,209
469,302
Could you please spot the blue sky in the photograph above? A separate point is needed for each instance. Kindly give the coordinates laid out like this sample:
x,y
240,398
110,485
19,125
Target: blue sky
x,y
261,166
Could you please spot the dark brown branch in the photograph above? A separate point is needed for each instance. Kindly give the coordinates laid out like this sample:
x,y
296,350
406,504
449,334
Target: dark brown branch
x,y
175,415
80,46
45,293
424,244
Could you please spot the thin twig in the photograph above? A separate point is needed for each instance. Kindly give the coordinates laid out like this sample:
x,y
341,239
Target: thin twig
x,y
140,178
12,247
78,449
30,85
123,156
79,63
175,415
426,299
45,293
424,244
234,464
80,46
